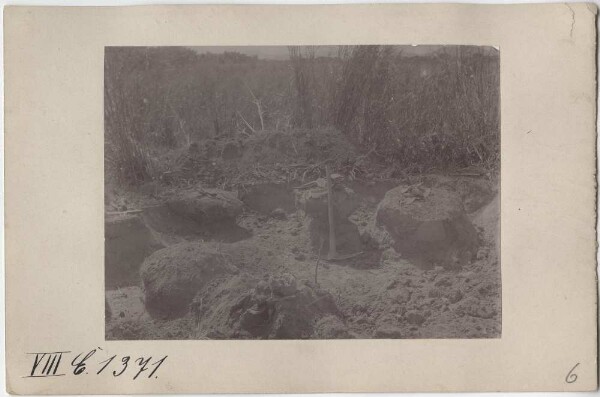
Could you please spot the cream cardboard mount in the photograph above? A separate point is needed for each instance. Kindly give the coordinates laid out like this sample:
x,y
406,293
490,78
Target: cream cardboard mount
x,y
54,205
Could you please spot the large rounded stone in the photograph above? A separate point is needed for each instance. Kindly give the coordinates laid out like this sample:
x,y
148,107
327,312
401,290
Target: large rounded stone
x,y
172,276
428,225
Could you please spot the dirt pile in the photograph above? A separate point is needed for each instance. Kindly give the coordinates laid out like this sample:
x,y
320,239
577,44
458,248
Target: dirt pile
x,y
264,157
172,276
428,225
128,241
275,307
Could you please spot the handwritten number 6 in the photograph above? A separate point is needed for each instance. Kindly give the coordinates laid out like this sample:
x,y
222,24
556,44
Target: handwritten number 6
x,y
571,376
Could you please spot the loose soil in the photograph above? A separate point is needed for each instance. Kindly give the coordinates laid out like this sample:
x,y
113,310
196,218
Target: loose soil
x,y
377,294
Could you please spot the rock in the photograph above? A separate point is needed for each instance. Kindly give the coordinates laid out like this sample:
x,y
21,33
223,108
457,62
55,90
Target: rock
x,y
128,241
278,213
331,327
387,332
172,276
209,207
429,226
414,317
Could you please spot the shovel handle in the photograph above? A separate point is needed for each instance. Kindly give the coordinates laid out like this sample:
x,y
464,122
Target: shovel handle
x,y
332,243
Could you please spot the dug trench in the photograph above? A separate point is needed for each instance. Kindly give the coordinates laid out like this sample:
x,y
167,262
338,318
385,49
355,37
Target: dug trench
x,y
422,262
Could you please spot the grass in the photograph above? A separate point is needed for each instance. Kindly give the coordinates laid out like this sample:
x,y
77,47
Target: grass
x,y
416,113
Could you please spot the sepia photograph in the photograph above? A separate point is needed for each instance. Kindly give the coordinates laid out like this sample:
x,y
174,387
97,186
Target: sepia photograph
x,y
302,192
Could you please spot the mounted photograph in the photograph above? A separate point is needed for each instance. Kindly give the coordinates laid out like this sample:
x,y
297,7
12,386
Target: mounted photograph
x,y
302,192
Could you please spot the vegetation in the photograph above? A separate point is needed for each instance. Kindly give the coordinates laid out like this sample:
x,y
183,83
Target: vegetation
x,y
439,110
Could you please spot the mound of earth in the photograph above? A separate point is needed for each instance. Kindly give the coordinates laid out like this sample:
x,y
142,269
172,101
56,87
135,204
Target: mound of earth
x,y
172,276
128,241
428,225
276,307
263,157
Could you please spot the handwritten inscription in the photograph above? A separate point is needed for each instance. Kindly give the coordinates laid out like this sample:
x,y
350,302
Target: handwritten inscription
x,y
572,376
47,364
51,362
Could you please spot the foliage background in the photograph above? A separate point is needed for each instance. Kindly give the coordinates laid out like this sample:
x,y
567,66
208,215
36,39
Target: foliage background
x,y
439,109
